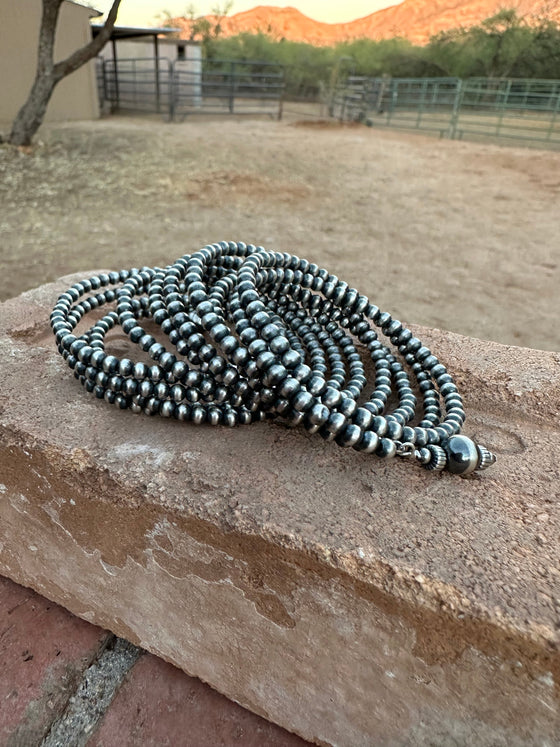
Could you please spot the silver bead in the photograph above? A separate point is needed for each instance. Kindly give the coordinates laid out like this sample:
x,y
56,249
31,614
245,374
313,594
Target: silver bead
x,y
167,409
486,458
462,455
423,455
438,458
368,443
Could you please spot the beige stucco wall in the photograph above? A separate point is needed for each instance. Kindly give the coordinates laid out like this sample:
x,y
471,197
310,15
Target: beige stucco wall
x,y
144,48
76,96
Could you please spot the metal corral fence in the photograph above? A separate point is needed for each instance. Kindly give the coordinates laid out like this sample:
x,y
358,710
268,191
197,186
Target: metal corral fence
x,y
516,110
178,89
227,87
136,84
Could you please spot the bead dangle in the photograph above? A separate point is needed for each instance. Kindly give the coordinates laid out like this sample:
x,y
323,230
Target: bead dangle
x,y
260,335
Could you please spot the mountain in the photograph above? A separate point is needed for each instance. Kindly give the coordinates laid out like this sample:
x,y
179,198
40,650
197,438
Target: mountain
x,y
416,20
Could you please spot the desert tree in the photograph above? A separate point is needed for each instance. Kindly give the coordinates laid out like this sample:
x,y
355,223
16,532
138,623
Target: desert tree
x,y
49,73
206,29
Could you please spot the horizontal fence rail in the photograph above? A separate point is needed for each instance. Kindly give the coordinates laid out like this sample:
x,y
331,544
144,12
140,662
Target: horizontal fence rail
x,y
515,110
139,84
184,87
508,110
228,87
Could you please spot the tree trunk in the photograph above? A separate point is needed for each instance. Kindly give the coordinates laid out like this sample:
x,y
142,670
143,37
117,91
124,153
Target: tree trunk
x,y
31,114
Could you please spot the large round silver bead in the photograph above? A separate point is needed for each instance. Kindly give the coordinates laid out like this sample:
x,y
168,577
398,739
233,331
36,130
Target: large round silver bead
x,y
462,455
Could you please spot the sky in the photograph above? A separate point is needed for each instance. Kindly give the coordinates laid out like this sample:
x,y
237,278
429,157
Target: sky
x,y
144,12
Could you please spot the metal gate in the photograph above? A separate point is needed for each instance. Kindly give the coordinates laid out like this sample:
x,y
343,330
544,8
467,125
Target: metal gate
x,y
135,84
179,89
516,110
227,87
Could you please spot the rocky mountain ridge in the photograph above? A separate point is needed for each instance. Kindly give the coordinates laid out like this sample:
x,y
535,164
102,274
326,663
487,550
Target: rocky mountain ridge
x,y
415,20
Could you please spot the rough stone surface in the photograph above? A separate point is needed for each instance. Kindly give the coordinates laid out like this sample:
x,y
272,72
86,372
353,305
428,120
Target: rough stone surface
x,y
43,653
158,706
352,601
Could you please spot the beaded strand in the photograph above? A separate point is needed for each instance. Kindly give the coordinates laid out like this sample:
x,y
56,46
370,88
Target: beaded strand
x,y
259,335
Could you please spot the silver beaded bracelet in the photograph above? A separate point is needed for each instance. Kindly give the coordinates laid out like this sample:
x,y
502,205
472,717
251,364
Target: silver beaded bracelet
x,y
261,335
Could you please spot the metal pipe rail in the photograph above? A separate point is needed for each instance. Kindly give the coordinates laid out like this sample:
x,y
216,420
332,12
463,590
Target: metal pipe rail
x,y
181,88
522,110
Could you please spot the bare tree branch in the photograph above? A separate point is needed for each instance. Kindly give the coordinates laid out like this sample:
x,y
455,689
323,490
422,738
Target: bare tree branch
x,y
82,55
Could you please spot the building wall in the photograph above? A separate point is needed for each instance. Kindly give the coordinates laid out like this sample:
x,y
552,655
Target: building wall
x,y
75,97
143,48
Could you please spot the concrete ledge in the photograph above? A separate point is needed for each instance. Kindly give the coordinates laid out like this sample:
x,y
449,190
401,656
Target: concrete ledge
x,y
352,601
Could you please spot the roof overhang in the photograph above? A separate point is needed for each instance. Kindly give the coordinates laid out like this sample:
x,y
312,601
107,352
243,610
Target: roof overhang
x,y
91,11
133,32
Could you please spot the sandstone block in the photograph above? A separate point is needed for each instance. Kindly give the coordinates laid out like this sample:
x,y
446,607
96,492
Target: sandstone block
x,y
352,601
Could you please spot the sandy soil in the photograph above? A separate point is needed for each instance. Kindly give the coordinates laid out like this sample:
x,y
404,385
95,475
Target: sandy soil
x,y
443,233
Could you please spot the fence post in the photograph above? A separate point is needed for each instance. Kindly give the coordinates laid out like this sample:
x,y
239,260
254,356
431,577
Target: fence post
x,y
383,81
343,107
422,103
281,97
394,93
158,89
171,78
505,99
117,86
458,100
104,80
231,86
553,118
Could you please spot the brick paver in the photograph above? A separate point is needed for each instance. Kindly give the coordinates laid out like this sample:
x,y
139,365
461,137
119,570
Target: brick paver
x,y
43,652
160,706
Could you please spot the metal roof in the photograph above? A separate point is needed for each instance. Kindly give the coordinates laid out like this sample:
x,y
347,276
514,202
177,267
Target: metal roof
x,y
92,12
131,32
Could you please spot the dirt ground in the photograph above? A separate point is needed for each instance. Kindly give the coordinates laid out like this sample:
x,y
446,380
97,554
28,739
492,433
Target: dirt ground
x,y
448,234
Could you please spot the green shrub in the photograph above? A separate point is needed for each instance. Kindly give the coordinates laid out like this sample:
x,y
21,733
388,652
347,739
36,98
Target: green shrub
x,y
504,45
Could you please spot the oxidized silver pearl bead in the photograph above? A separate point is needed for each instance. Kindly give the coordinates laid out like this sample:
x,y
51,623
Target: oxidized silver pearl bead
x,y
462,455
167,409
369,443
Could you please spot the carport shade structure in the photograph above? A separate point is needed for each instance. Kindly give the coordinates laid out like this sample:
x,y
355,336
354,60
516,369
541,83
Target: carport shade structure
x,y
134,32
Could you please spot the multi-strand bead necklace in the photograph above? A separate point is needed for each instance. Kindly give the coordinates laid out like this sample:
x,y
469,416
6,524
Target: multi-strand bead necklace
x,y
261,334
